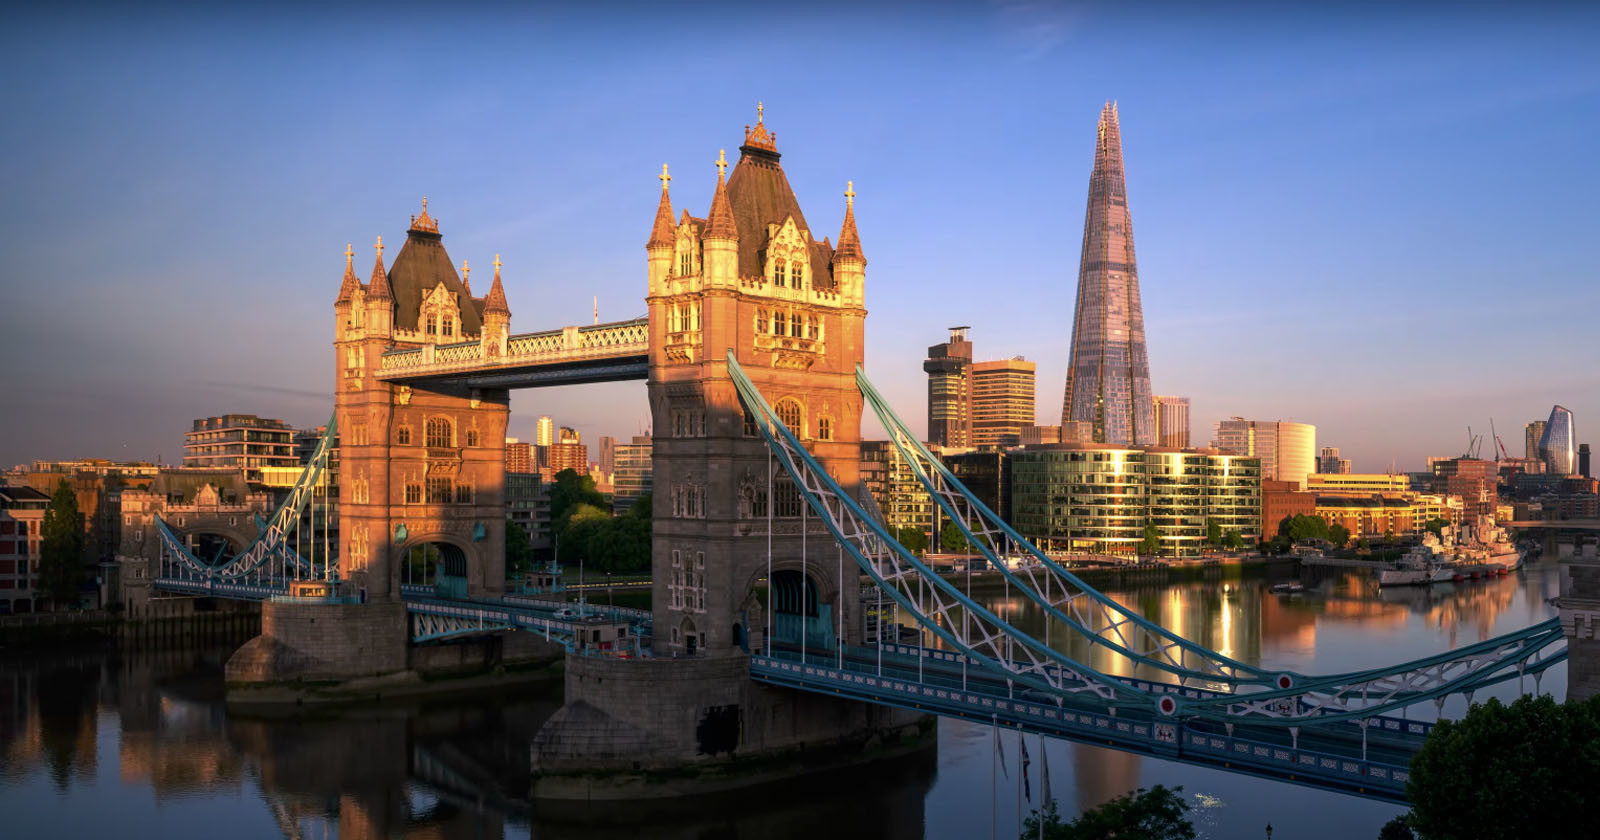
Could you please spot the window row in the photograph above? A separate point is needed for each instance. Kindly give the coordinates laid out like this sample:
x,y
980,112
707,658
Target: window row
x,y
683,317
441,325
792,324
688,584
439,491
440,434
688,423
789,273
689,501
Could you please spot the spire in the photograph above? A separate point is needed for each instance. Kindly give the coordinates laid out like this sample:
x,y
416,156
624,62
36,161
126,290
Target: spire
x,y
495,301
378,286
849,241
424,223
347,289
466,275
759,137
661,232
719,223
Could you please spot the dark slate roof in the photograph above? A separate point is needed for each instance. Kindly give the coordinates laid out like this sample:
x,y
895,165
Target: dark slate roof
x,y
421,265
187,482
760,195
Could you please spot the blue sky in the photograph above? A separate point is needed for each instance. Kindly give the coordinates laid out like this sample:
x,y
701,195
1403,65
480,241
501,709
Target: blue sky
x,y
1380,219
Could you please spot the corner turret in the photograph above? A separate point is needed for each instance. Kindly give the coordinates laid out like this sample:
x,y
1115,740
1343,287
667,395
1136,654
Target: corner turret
x,y
660,246
849,263
721,239
496,317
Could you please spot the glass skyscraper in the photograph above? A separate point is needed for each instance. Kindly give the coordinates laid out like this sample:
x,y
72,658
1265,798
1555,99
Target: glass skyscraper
x,y
1559,445
1108,379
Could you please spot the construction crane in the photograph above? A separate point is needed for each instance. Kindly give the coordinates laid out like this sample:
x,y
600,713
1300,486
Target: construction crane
x,y
1474,444
1502,454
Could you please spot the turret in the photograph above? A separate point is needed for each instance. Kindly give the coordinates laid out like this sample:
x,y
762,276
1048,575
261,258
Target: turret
x,y
721,239
496,317
380,300
849,263
660,246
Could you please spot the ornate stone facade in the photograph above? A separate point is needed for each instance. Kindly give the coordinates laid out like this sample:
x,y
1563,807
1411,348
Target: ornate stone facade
x,y
419,463
751,277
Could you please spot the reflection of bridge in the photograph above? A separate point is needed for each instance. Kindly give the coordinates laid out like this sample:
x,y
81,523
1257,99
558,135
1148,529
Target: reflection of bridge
x,y
747,304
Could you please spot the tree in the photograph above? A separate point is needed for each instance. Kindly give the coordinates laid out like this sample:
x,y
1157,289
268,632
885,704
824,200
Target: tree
x,y
1213,532
519,550
1304,527
61,547
1436,526
1396,829
571,489
951,539
1234,542
1151,542
1154,814
1523,770
913,538
1338,535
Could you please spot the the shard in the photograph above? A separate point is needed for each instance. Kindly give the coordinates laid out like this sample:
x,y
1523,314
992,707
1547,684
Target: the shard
x,y
1108,381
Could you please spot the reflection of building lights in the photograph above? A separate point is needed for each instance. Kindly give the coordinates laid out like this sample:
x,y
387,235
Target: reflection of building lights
x,y
1227,625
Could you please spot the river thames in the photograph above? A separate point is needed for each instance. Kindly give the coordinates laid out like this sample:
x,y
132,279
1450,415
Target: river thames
x,y
138,744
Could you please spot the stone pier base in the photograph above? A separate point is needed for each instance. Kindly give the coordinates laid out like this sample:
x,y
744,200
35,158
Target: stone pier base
x,y
311,642
644,728
1579,605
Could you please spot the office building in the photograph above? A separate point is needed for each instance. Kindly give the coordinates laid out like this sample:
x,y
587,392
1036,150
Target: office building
x,y
1329,462
1583,460
239,440
1002,401
528,505
1559,443
903,500
569,455
1287,450
1097,498
1531,435
21,531
1473,480
1108,377
987,474
1358,484
545,432
1035,435
949,369
1172,421
519,456
632,477
608,455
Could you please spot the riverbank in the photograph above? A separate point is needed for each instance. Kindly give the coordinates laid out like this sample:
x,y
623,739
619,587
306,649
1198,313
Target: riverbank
x,y
291,699
176,624
1111,577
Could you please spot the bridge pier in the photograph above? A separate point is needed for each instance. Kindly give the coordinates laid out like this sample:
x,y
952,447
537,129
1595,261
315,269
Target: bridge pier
x,y
1579,605
696,715
322,642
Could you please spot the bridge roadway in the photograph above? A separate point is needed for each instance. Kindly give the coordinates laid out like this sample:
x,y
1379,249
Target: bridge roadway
x,y
1329,756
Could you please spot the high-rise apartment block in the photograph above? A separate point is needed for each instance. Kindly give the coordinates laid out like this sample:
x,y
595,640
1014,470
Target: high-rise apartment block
x,y
1559,443
949,369
632,477
239,440
1172,421
905,503
1329,462
1287,450
569,456
519,456
545,432
1108,378
1002,401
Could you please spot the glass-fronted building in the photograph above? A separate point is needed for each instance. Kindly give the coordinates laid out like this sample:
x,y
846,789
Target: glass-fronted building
x,y
1097,498
1559,445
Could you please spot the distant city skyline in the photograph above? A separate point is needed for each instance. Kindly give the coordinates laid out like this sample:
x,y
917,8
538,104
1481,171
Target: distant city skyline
x,y
1360,185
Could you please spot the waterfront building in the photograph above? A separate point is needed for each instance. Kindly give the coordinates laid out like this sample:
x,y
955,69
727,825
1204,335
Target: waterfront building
x,y
1329,462
1098,498
1035,435
1172,421
1473,480
1002,401
1282,500
1559,444
1287,450
1108,377
1531,435
632,477
901,498
528,505
545,432
987,473
1358,484
519,456
305,444
21,530
949,369
239,440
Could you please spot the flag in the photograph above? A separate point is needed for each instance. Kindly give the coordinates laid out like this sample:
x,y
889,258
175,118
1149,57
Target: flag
x,y
1022,742
1001,749
1044,776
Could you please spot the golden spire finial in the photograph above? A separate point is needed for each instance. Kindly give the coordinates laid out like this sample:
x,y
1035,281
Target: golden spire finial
x,y
349,257
379,246
424,204
722,162
664,177
760,109
497,265
849,193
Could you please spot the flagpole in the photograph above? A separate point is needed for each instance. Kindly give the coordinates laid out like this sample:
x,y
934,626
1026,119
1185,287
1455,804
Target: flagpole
x,y
1022,779
994,751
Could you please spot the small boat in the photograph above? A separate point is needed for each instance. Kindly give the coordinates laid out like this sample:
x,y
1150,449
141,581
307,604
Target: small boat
x,y
1288,588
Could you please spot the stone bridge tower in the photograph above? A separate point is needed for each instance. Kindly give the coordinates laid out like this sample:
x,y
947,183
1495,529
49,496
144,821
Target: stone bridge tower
x,y
751,276
419,464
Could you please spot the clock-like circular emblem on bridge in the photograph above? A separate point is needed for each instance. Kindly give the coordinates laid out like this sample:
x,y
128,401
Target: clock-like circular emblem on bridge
x,y
1167,705
1285,681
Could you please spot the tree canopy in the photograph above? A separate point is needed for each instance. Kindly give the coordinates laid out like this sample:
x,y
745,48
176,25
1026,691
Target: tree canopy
x,y
1523,770
1436,526
61,547
571,489
594,537
1151,542
913,538
951,539
1213,532
1154,814
1338,535
1304,527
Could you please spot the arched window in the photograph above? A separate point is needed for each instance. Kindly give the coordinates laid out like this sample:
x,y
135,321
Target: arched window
x,y
433,325
402,436
685,262
813,330
449,325
439,432
795,271
761,321
789,415
786,500
777,272
472,437
824,428
794,325
413,494
777,323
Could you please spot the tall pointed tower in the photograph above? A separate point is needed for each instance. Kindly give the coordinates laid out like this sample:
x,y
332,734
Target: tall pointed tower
x,y
1108,380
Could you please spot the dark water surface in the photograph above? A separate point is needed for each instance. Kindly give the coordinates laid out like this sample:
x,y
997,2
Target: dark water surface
x,y
130,745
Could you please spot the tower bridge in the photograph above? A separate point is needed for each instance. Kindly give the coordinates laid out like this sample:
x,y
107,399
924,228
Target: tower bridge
x,y
751,350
